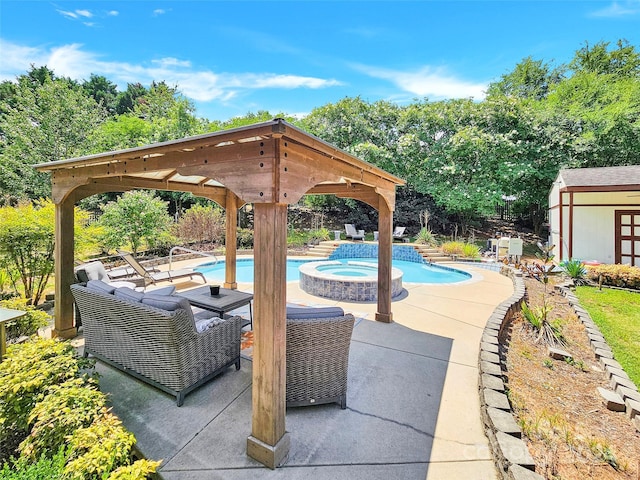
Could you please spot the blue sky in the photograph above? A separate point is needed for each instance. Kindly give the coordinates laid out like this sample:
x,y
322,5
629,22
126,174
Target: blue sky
x,y
235,57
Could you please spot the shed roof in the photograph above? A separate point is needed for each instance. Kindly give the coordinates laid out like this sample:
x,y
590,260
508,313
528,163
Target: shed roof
x,y
611,177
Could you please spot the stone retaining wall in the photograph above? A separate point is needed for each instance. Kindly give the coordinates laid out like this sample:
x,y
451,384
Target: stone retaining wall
x,y
510,452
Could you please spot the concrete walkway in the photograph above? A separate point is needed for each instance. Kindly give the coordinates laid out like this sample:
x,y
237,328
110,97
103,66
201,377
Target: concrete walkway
x,y
413,408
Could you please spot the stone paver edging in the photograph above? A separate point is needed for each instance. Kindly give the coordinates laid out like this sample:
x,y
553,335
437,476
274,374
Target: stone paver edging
x,y
510,452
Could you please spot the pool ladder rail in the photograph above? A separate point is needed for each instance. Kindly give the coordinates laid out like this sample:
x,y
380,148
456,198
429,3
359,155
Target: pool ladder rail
x,y
188,250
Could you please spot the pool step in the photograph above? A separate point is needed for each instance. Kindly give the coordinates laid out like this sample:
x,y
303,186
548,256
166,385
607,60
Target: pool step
x,y
324,249
432,255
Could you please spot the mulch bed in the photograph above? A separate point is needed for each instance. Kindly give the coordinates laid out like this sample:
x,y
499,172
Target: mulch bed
x,y
569,431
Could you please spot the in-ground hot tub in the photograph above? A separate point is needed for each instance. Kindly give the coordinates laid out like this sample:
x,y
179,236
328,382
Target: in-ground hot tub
x,y
355,281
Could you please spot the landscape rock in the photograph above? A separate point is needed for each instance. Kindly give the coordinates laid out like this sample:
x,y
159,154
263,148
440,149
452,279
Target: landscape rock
x,y
489,357
609,362
599,352
633,408
625,392
504,422
616,381
558,353
489,347
492,382
515,451
612,400
496,399
516,472
490,368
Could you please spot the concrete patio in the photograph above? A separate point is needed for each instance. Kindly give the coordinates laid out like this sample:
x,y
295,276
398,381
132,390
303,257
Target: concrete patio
x,y
413,408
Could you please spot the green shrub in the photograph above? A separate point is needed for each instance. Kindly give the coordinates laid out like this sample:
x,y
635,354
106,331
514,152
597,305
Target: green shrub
x,y
139,470
624,276
470,250
453,248
245,238
297,238
575,269
26,373
26,325
44,468
66,408
99,449
425,237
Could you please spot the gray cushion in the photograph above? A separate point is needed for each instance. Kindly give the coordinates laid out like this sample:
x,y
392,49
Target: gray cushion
x,y
301,313
168,290
100,286
129,294
166,302
92,271
203,324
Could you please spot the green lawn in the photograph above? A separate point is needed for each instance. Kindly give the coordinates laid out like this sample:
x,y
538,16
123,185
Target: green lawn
x,y
617,314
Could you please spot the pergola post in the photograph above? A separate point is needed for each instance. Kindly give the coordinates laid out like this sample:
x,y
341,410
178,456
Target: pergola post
x,y
231,240
385,254
63,254
269,442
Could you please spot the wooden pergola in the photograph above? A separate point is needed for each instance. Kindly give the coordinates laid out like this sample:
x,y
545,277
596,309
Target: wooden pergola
x,y
271,165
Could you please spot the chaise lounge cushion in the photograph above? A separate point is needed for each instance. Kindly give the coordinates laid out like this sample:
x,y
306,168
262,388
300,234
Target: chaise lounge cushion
x,y
92,271
302,313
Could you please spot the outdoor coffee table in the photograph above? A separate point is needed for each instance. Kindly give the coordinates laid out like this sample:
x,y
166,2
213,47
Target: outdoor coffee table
x,y
6,315
222,303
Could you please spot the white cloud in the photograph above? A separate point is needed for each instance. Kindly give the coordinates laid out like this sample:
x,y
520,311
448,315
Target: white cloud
x,y
159,11
617,9
113,13
172,62
84,13
434,83
200,85
68,14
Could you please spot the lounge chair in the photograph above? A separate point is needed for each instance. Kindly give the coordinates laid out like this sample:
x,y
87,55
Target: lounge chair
x,y
353,233
151,277
398,233
118,278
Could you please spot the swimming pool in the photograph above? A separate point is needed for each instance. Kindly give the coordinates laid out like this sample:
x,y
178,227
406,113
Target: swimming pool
x,y
413,272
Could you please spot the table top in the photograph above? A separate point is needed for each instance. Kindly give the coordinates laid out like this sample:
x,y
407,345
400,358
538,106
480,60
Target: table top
x,y
225,301
8,314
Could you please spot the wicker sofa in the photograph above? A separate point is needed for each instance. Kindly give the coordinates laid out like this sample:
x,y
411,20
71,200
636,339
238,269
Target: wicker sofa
x,y
155,338
318,341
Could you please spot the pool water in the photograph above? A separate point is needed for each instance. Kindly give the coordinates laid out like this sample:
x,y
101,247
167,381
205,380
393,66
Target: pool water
x,y
413,272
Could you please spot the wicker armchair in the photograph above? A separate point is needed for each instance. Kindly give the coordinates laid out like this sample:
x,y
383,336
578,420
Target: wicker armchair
x,y
318,358
158,346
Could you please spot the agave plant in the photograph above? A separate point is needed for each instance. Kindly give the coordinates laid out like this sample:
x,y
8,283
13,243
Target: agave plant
x,y
576,270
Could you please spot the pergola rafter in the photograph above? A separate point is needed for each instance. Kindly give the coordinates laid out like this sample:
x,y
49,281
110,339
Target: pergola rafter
x,y
271,164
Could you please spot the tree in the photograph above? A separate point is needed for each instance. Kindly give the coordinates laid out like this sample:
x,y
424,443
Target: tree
x,y
136,217
530,79
126,101
26,245
103,91
48,122
623,61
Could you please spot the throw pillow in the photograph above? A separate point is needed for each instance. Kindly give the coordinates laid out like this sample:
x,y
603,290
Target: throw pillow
x,y
166,302
129,294
100,286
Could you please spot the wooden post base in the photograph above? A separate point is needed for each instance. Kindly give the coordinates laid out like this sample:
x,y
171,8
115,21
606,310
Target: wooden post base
x,y
269,455
66,334
384,317
231,286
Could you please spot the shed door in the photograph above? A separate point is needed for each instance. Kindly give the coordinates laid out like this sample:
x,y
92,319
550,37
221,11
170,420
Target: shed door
x,y
628,237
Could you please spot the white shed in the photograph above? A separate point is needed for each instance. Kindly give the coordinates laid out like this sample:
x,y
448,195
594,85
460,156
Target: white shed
x,y
594,214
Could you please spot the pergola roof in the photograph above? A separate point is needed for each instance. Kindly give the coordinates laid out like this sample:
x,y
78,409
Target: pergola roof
x,y
205,164
269,164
